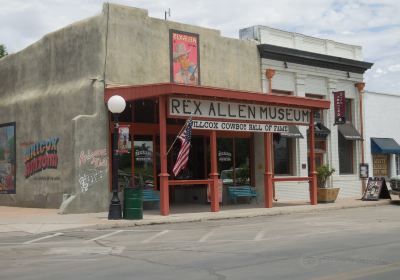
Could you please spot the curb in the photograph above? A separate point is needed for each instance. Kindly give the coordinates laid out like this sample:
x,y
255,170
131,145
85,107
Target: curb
x,y
236,215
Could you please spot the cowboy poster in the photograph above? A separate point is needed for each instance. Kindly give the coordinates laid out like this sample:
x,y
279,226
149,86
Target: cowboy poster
x,y
7,158
123,139
185,58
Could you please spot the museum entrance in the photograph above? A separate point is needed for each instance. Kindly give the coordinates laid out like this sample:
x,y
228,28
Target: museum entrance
x,y
223,121
141,165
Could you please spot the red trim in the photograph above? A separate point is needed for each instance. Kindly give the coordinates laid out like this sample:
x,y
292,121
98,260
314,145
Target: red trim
x,y
313,173
268,174
290,179
189,182
164,190
130,93
214,172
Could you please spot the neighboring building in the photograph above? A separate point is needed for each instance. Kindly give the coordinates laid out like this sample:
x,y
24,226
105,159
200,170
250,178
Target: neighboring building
x,y
312,67
56,132
382,136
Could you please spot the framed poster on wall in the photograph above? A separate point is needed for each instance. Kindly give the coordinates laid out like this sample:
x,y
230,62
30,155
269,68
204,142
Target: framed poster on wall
x,y
7,158
184,57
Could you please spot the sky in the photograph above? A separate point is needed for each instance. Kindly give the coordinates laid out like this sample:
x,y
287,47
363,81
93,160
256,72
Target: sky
x,y
372,24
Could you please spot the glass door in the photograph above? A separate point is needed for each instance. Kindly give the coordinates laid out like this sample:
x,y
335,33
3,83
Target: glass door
x,y
144,161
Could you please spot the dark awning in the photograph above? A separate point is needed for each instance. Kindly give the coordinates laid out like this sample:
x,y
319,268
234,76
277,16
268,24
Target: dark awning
x,y
321,130
293,132
384,146
349,132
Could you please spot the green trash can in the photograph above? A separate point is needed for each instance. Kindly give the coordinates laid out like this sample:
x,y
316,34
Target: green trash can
x,y
133,203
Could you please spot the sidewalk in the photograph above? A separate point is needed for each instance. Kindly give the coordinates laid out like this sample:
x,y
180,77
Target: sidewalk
x,y
35,220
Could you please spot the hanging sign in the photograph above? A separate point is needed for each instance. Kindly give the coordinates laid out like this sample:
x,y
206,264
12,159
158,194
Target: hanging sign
x,y
376,189
364,170
225,110
123,139
340,107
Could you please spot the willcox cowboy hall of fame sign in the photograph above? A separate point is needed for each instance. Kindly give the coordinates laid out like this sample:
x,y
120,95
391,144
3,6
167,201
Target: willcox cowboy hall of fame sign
x,y
251,117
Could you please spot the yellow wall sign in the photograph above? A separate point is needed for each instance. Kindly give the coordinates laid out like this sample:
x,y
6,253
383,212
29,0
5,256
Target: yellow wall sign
x,y
380,165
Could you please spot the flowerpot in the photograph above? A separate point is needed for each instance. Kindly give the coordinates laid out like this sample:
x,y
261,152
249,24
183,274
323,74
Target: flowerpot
x,y
327,195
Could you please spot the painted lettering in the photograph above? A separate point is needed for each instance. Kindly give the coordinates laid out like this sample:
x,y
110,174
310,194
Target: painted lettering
x,y
175,104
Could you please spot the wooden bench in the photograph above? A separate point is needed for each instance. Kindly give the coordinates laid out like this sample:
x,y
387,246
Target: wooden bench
x,y
242,191
150,195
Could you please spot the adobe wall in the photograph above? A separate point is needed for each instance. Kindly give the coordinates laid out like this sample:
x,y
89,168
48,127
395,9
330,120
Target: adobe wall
x,y
47,90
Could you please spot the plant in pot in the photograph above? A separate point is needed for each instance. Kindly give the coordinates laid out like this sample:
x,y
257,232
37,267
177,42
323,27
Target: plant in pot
x,y
325,194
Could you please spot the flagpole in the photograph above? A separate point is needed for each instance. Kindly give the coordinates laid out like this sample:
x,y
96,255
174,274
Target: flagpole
x,y
176,137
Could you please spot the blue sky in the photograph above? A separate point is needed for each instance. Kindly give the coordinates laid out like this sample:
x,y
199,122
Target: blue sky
x,y
372,24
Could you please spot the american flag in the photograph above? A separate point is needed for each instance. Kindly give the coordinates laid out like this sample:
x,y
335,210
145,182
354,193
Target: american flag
x,y
183,155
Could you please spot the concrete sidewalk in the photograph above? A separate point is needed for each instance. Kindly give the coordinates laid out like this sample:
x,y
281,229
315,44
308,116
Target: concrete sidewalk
x,y
34,220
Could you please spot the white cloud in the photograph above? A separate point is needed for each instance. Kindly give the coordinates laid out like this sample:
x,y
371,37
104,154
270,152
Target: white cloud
x,y
373,24
394,68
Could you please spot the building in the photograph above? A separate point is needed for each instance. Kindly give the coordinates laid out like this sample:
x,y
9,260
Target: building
x,y
312,67
58,133
381,139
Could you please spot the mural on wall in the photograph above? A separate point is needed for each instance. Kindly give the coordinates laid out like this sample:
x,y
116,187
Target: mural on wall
x,y
93,167
40,156
185,57
7,158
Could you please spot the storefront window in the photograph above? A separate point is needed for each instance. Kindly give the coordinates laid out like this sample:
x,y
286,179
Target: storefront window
x,y
143,161
282,156
398,164
242,161
348,113
126,115
234,160
145,111
346,147
225,160
124,158
346,155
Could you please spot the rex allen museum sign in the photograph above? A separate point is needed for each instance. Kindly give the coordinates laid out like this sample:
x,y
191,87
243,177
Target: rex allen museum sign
x,y
222,115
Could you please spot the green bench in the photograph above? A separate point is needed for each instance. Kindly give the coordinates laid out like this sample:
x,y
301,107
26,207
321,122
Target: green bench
x,y
242,191
150,195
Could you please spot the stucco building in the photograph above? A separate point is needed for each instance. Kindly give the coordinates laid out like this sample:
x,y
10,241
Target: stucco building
x,y
54,110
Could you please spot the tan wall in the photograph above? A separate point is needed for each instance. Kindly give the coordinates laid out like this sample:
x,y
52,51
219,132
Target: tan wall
x,y
138,53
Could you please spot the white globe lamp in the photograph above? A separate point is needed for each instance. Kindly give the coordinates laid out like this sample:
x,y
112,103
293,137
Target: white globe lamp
x,y
116,104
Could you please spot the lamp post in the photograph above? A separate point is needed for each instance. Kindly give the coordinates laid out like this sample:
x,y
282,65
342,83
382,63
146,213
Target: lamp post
x,y
116,104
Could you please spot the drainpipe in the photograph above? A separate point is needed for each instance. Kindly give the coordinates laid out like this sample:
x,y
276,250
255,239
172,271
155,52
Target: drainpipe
x,y
360,87
270,73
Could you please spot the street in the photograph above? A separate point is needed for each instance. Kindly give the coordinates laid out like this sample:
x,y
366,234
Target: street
x,y
359,243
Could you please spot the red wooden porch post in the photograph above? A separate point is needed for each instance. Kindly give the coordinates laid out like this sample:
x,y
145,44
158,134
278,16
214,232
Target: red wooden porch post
x,y
164,189
313,173
268,192
214,172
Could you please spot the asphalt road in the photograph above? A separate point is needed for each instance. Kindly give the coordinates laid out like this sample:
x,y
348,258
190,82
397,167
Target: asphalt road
x,y
361,243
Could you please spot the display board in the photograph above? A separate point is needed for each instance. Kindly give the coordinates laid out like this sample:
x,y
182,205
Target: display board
x,y
376,189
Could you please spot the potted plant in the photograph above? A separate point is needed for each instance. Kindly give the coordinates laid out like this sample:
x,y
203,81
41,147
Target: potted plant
x,y
325,194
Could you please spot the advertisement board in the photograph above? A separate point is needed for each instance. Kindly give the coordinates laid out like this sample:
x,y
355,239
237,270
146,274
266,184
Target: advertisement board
x,y
7,158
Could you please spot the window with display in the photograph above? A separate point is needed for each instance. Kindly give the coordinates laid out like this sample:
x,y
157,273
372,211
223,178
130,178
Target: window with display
x,y
283,156
233,155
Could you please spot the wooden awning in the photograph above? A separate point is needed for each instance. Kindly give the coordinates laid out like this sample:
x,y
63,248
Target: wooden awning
x,y
131,93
